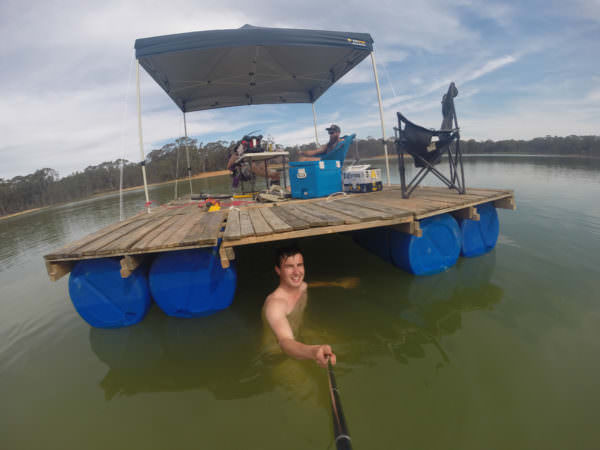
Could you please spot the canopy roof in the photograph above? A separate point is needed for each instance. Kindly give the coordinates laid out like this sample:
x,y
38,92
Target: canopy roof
x,y
250,65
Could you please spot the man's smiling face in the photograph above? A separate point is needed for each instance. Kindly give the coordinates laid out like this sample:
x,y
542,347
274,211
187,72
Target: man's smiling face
x,y
291,271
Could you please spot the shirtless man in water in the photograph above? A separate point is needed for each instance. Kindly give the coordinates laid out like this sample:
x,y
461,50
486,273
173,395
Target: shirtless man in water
x,y
284,306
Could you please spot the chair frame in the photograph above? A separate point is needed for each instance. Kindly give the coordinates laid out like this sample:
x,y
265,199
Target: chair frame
x,y
456,180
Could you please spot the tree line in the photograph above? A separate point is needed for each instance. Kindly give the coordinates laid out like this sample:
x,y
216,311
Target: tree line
x,y
45,187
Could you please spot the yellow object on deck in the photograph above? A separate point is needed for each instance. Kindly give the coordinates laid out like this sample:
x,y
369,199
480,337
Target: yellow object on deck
x,y
215,207
245,195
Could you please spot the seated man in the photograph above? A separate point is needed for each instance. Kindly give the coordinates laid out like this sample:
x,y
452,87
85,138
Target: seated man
x,y
284,307
316,155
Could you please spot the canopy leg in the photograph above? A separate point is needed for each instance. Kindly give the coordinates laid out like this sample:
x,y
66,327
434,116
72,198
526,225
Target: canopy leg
x,y
142,156
315,122
187,155
387,164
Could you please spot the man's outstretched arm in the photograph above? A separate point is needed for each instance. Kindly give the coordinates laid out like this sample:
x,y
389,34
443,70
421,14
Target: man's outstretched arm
x,y
275,314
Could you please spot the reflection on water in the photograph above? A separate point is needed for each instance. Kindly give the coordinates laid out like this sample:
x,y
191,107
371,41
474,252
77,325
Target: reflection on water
x,y
222,353
500,349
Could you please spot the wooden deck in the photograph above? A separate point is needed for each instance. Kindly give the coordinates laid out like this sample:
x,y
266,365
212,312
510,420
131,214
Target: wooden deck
x,y
178,227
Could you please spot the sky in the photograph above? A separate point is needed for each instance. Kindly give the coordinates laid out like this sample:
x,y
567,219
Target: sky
x,y
523,70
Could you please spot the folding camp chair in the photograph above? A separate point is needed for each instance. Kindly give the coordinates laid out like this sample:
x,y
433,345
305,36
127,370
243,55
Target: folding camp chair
x,y
426,152
339,151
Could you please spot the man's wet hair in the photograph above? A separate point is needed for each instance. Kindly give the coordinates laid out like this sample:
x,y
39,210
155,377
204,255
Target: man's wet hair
x,y
284,253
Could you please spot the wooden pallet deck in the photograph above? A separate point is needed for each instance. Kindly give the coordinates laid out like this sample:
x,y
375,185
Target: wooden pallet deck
x,y
178,227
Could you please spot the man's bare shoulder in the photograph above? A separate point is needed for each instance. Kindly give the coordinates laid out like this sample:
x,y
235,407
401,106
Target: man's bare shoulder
x,y
275,300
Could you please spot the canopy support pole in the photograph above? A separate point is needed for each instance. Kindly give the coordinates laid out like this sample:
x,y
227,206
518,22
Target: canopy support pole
x,y
187,155
387,164
315,122
142,156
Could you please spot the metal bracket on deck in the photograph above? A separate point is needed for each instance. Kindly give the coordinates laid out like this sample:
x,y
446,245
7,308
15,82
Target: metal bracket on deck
x,y
129,264
410,228
226,254
506,203
470,212
57,270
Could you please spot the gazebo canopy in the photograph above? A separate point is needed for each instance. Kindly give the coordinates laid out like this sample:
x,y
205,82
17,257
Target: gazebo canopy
x,y
250,65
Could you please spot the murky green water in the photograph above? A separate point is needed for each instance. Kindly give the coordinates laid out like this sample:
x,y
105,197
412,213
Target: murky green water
x,y
499,352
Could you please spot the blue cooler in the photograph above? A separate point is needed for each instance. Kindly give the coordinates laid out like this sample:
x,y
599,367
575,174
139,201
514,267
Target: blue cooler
x,y
311,179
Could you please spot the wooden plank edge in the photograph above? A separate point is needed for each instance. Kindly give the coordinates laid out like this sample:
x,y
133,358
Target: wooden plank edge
x,y
57,270
506,203
129,263
224,258
413,228
457,207
470,213
212,243
318,231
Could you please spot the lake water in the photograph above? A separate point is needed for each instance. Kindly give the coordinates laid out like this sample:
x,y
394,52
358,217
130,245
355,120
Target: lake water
x,y
500,351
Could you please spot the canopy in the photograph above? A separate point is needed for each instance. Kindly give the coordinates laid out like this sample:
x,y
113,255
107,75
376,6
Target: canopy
x,y
250,65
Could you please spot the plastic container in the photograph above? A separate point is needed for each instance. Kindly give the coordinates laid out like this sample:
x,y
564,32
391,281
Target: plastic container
x,y
106,300
191,283
311,179
435,251
479,237
376,240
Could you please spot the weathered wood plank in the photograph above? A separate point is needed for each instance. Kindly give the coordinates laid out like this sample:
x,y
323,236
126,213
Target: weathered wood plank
x,y
445,192
363,214
177,238
417,206
295,222
318,231
312,220
68,249
161,238
93,247
129,264
278,225
224,258
232,229
347,219
246,228
230,253
259,223
413,228
364,203
144,242
131,238
329,219
470,213
506,203
209,235
454,200
57,270
489,192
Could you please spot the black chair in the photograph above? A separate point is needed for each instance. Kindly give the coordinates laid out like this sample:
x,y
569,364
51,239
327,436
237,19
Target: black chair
x,y
426,152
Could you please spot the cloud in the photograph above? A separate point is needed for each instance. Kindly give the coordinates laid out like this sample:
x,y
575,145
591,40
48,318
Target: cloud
x,y
69,99
489,67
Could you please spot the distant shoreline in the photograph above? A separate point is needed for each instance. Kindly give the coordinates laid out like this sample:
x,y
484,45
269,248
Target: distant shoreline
x,y
216,173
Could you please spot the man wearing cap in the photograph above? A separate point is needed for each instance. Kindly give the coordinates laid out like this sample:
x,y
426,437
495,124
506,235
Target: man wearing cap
x,y
316,155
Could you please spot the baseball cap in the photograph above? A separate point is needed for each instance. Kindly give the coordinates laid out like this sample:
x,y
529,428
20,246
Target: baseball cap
x,y
334,127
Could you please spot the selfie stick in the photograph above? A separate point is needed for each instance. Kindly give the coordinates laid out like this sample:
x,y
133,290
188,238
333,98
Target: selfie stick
x,y
342,437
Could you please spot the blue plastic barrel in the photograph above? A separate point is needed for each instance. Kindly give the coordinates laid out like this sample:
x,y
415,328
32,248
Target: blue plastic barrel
x,y
435,251
191,283
376,240
106,300
479,237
